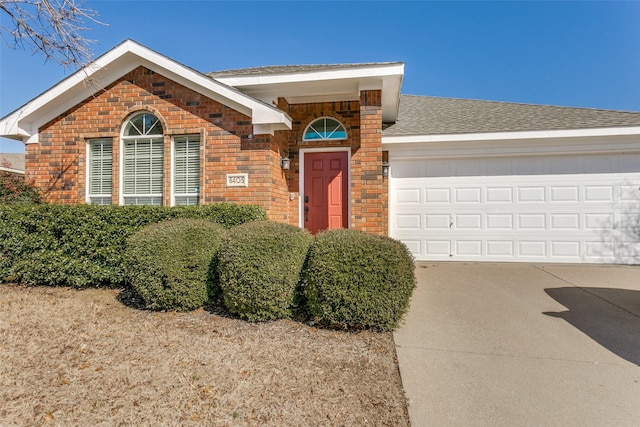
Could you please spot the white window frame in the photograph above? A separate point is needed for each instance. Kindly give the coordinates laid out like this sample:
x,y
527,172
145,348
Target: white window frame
x,y
156,138
174,194
346,136
89,194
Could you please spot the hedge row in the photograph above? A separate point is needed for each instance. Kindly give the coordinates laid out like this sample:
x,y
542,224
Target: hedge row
x,y
83,245
178,258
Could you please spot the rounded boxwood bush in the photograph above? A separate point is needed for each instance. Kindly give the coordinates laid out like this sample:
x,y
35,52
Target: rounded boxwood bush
x,y
358,280
259,269
168,263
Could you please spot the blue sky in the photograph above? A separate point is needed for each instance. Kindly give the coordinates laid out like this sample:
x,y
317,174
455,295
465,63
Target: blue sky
x,y
583,54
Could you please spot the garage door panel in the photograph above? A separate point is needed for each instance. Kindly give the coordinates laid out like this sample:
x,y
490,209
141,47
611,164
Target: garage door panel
x,y
438,248
499,221
600,249
564,194
598,221
564,249
572,217
468,195
629,193
499,194
470,248
437,195
500,248
630,221
532,248
414,246
468,222
598,193
532,221
565,221
409,222
408,196
628,250
437,222
531,194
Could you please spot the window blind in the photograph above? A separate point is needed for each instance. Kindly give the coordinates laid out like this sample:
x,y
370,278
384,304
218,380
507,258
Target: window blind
x,y
100,171
143,170
186,174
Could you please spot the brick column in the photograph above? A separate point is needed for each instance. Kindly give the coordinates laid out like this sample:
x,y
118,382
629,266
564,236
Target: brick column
x,y
369,192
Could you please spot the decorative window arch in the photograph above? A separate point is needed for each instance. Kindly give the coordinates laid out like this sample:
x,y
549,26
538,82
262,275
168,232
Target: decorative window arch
x,y
324,129
143,160
142,124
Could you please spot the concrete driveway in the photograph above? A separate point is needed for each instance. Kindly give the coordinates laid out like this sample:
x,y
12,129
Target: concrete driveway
x,y
522,345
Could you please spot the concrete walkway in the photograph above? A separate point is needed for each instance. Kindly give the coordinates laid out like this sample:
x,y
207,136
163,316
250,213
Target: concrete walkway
x,y
522,345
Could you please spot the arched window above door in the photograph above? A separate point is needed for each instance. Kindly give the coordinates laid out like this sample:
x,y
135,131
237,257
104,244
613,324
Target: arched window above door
x,y
325,129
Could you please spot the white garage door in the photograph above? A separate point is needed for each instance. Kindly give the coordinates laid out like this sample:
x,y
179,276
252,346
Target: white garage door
x,y
546,209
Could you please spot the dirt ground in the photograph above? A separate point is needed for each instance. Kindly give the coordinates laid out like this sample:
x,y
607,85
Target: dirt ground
x,y
70,357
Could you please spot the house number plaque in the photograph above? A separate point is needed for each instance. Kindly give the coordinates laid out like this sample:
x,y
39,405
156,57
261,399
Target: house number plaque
x,y
238,180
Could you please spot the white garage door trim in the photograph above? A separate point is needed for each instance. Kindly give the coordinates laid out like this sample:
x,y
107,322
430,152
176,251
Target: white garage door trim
x,y
551,208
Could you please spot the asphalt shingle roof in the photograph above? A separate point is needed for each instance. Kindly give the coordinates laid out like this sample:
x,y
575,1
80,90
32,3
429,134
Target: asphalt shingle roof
x,y
285,69
427,115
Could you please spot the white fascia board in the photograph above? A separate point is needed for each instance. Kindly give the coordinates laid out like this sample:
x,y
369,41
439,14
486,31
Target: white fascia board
x,y
469,147
16,171
494,136
25,121
312,76
76,87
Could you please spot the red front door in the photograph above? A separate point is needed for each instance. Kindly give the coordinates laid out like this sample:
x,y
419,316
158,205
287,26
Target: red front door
x,y
326,190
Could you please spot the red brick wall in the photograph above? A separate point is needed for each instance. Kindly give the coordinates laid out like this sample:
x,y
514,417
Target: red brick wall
x,y
363,122
58,162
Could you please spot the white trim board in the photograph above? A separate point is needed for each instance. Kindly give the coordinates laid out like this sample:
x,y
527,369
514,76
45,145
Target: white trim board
x,y
23,124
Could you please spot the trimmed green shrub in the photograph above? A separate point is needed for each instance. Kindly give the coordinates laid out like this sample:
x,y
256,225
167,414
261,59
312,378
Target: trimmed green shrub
x,y
83,245
167,263
259,269
358,280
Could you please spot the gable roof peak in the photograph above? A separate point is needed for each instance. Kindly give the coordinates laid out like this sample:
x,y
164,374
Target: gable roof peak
x,y
24,123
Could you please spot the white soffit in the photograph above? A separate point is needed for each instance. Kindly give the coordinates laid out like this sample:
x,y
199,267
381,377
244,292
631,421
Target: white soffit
x,y
342,84
600,140
23,124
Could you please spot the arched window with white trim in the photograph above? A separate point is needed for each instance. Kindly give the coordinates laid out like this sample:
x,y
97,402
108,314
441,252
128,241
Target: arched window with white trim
x,y
143,156
325,129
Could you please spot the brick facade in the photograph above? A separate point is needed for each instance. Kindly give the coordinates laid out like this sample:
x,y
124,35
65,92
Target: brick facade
x,y
58,162
363,122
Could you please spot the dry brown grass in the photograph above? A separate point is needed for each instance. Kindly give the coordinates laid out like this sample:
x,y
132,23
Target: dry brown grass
x,y
72,357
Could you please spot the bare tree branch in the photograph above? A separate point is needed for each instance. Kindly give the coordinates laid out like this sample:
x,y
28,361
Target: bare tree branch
x,y
50,27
